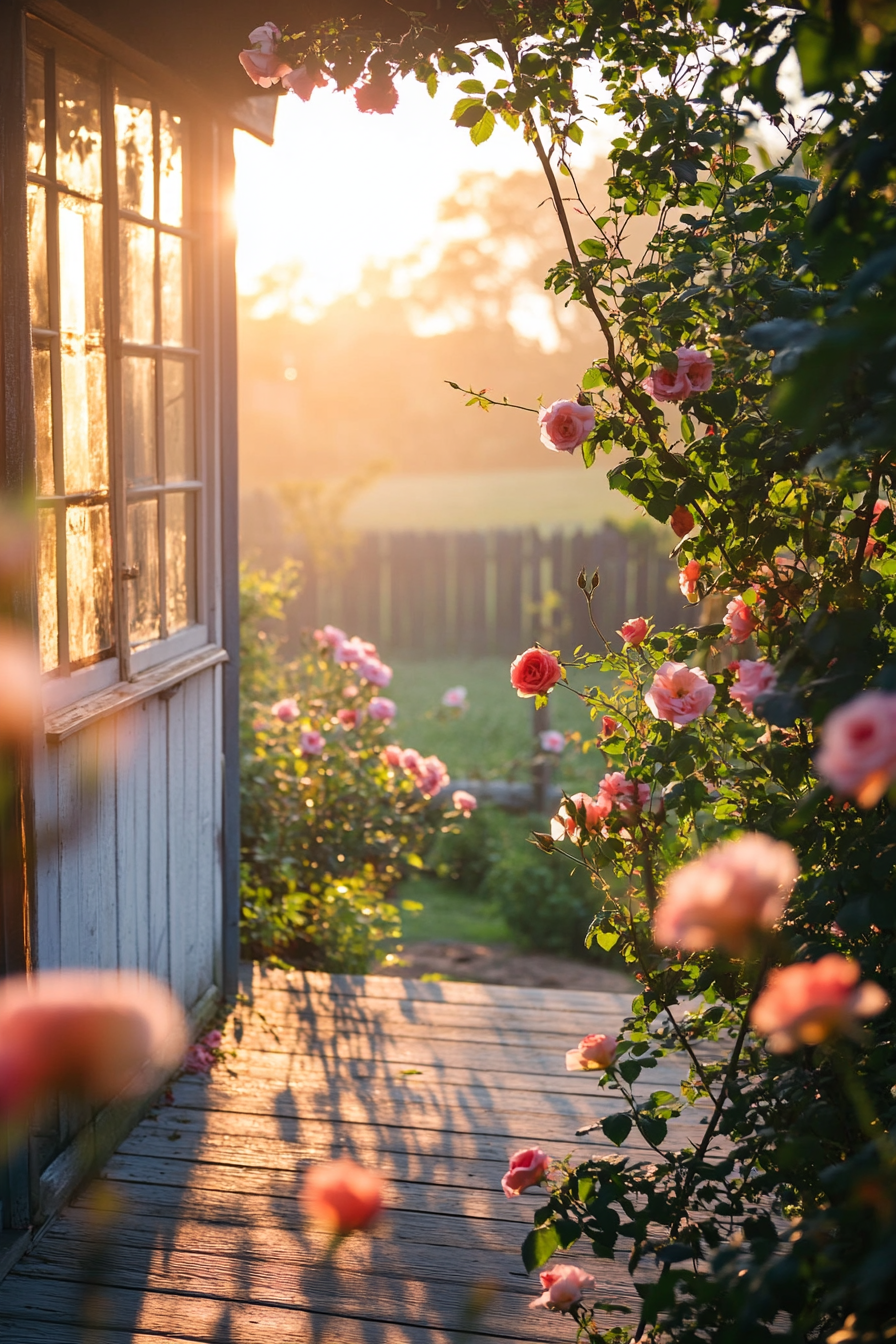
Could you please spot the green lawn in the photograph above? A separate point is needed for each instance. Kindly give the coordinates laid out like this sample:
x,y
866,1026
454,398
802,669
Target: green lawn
x,y
493,739
449,915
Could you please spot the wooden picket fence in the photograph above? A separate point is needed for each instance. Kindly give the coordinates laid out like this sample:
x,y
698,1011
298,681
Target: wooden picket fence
x,y
424,594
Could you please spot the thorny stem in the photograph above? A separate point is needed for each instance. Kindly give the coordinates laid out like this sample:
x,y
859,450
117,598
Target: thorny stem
x,y
868,504
712,1126
589,598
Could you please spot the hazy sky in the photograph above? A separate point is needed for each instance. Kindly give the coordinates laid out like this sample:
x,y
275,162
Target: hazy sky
x,y
341,189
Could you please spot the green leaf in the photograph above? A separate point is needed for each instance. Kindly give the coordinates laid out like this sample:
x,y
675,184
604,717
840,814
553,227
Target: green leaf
x,y
653,1130
463,107
415,861
593,247
539,1246
617,1127
471,86
592,378
483,128
630,1070
589,448
412,905
432,84
606,940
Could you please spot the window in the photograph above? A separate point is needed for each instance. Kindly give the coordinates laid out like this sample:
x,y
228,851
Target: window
x,y
115,366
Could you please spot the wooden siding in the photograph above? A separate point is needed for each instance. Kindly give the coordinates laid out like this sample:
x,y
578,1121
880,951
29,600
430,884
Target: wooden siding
x,y
128,816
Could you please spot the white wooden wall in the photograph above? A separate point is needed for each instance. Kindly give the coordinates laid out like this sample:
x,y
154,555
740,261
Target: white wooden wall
x,y
128,823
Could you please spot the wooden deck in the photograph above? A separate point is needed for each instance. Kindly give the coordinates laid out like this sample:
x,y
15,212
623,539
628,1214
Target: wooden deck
x,y
194,1231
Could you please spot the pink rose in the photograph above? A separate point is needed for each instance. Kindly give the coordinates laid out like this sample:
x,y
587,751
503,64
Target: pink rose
x,y
455,697
392,756
527,1167
93,1034
263,68
350,692
332,635
382,709
287,711
431,776
410,760
858,747
347,717
343,1196
682,521
723,897
265,37
377,673
565,425
198,1059
616,789
565,824
553,741
753,679
348,652
634,631
563,1287
608,726
377,95
740,620
21,709
805,1003
311,742
687,580
212,1039
535,672
679,693
464,802
592,1052
694,374
303,83
698,367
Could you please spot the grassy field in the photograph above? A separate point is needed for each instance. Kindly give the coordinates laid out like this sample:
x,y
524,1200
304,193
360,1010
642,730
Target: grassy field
x,y
493,739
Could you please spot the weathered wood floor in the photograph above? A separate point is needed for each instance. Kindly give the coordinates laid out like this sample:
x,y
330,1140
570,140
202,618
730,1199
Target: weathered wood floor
x,y
194,1231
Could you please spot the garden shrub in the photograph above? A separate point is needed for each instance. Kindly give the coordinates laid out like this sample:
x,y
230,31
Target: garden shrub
x,y
547,907
328,826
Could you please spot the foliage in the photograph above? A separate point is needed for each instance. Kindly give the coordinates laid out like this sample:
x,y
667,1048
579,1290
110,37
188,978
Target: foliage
x,y
547,906
325,836
781,1222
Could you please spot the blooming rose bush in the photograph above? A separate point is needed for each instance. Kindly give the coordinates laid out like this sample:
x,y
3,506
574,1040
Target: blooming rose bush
x,y
333,815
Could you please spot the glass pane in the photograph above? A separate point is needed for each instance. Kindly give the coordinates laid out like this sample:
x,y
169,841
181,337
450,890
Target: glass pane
x,y
35,113
37,256
175,315
78,136
43,421
144,610
138,395
81,346
179,557
136,261
177,390
47,613
88,555
133,137
171,168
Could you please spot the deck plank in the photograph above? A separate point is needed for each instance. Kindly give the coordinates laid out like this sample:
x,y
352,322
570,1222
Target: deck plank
x,y
194,1232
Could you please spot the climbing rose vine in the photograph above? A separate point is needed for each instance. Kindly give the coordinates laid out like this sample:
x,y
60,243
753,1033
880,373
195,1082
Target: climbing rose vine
x,y
740,834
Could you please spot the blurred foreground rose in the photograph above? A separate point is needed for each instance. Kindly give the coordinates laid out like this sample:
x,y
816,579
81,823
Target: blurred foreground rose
x,y
20,700
592,1052
552,740
727,894
563,1287
805,1003
464,802
343,1196
96,1034
858,747
565,425
634,631
528,1167
534,672
753,679
740,620
303,83
679,693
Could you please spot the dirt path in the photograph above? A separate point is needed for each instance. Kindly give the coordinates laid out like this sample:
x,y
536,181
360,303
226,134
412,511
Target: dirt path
x,y
503,964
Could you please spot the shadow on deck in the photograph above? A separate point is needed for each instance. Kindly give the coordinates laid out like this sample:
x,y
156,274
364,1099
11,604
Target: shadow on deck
x,y
194,1232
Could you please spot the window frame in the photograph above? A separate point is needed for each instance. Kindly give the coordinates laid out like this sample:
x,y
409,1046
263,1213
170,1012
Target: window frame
x,y
65,685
